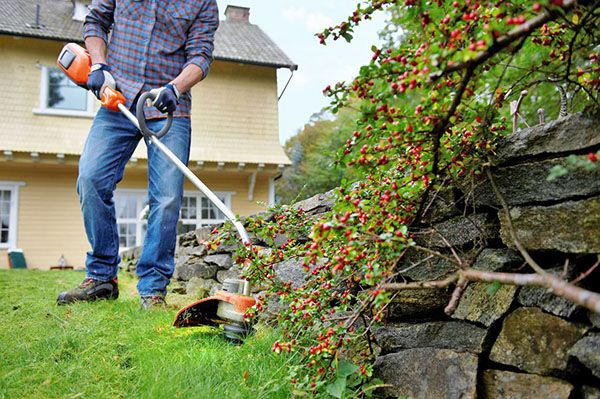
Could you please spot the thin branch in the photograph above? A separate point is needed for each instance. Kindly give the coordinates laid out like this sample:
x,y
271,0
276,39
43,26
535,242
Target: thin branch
x,y
587,273
538,269
416,285
456,295
554,284
558,287
438,254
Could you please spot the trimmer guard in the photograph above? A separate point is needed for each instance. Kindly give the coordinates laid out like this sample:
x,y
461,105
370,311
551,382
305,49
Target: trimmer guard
x,y
200,313
204,311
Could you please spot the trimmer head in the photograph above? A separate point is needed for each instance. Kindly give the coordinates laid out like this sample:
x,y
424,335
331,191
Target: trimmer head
x,y
226,307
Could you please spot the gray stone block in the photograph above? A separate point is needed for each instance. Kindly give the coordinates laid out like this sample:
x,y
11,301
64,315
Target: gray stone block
x,y
536,342
418,303
587,351
233,272
439,334
417,267
317,204
482,303
428,373
508,385
594,318
542,298
442,207
291,271
527,183
588,392
200,287
497,260
573,133
194,267
570,227
459,231
223,261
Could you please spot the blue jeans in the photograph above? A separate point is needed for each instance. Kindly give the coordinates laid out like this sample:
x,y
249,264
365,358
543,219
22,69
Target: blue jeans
x,y
110,144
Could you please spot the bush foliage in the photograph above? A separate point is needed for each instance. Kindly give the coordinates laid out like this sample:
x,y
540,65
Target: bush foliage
x,y
432,102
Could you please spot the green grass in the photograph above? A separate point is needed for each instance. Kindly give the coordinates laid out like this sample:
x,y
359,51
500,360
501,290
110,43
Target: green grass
x,y
112,349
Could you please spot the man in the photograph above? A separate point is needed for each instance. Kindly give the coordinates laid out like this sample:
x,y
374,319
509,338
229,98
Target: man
x,y
160,45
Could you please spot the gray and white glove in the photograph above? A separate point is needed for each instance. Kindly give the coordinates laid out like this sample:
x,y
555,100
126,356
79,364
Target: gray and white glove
x,y
166,98
99,78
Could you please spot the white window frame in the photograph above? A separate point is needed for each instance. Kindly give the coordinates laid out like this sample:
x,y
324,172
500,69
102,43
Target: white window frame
x,y
139,222
43,109
206,222
13,187
199,222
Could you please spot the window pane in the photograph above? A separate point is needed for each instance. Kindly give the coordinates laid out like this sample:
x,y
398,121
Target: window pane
x,y
4,215
5,208
126,206
64,94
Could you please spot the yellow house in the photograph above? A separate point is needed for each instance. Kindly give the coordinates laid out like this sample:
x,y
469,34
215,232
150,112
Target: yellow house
x,y
45,120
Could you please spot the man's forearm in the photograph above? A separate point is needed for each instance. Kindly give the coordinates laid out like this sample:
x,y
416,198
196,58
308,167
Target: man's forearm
x,y
190,75
97,49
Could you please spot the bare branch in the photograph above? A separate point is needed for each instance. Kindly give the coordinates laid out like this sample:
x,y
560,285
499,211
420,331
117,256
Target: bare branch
x,y
456,295
416,285
558,287
586,273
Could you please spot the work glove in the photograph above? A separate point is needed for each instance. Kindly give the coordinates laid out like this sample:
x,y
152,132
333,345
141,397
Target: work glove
x,y
99,78
167,98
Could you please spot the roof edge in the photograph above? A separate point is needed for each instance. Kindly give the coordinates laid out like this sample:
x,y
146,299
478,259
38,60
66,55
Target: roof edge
x,y
293,67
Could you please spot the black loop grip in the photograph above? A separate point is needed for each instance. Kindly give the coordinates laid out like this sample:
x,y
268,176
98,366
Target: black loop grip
x,y
141,117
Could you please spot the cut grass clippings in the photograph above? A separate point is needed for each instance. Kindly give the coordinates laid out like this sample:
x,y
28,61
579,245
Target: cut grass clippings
x,y
113,349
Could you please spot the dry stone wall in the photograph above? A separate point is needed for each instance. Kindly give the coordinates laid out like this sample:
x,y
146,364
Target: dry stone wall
x,y
502,341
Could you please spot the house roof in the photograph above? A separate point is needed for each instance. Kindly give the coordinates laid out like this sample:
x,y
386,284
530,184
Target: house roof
x,y
235,41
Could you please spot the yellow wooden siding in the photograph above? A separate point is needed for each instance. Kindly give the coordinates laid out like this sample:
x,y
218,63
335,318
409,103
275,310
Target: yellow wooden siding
x,y
236,115
20,128
235,110
49,219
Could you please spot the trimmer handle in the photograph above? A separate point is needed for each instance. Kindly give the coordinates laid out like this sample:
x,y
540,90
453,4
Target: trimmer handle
x,y
141,117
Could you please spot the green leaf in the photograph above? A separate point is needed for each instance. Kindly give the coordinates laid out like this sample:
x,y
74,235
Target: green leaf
x,y
337,388
346,369
556,172
493,288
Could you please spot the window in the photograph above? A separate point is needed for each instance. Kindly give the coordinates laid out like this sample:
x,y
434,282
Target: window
x,y
129,205
196,211
60,96
9,202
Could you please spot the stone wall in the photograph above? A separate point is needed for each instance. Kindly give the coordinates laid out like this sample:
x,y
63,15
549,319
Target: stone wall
x,y
502,341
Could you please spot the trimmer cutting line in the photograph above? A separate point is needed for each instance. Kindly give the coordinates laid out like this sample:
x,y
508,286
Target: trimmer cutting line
x,y
227,306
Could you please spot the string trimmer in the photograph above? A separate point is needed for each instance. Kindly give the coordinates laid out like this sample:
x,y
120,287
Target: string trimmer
x,y
225,307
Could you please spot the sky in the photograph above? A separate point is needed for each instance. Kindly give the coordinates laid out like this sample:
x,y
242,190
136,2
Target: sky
x,y
292,25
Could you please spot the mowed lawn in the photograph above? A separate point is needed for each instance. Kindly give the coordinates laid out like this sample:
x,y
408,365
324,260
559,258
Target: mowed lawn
x,y
112,349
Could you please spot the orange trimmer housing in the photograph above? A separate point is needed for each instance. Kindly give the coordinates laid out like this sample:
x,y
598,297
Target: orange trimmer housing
x,y
76,63
204,311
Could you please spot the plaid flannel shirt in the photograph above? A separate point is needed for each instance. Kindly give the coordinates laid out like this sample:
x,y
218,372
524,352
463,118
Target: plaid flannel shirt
x,y
152,41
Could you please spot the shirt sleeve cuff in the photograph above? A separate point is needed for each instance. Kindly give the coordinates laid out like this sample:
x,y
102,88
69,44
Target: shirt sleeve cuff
x,y
93,30
202,62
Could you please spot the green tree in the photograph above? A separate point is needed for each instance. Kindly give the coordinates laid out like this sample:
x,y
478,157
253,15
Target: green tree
x,y
314,153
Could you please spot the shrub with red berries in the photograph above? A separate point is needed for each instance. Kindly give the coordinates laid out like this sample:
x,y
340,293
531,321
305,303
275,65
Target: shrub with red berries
x,y
433,99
